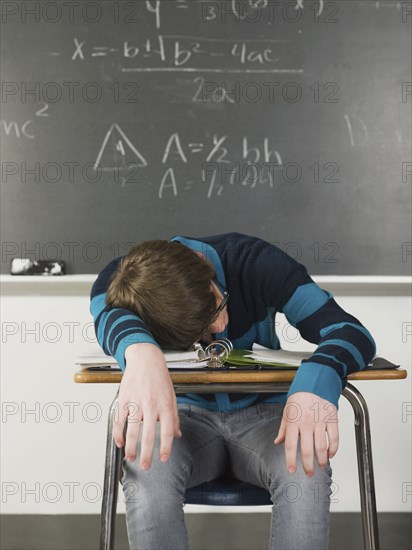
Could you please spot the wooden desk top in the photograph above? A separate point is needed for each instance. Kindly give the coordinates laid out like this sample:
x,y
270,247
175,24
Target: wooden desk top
x,y
86,376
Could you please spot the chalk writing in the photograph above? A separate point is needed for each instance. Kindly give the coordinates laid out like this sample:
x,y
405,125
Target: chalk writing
x,y
382,5
358,132
185,53
119,154
248,11
117,147
13,128
23,129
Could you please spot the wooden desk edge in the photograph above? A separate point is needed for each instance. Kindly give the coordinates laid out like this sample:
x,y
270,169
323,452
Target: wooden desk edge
x,y
85,376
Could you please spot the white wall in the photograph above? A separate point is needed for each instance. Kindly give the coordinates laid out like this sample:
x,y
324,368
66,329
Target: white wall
x,y
56,467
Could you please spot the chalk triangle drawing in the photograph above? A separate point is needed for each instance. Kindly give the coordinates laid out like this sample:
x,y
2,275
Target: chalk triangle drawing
x,y
117,151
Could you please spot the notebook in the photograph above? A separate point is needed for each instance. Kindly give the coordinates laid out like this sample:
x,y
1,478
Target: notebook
x,y
270,358
213,356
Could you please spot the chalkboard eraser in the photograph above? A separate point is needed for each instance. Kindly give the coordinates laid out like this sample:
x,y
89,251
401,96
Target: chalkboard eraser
x,y
23,266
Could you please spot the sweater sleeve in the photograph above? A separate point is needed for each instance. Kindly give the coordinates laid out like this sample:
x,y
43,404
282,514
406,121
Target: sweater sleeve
x,y
115,328
345,346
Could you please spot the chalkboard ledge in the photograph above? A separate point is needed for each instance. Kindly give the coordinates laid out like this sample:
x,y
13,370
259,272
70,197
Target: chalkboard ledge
x,y
80,285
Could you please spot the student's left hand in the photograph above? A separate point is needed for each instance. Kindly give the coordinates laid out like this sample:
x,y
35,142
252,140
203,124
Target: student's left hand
x,y
311,417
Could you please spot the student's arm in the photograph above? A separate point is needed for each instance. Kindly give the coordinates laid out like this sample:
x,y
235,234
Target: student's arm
x,y
146,391
344,346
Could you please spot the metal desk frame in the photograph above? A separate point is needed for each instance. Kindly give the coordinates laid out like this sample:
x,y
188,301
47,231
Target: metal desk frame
x,y
114,456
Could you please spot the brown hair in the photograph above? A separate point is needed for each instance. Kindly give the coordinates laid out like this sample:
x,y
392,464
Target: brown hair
x,y
169,286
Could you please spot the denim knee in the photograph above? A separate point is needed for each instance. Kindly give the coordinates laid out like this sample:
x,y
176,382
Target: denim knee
x,y
162,479
299,490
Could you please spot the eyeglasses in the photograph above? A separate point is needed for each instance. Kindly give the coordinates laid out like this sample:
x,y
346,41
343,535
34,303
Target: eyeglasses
x,y
225,295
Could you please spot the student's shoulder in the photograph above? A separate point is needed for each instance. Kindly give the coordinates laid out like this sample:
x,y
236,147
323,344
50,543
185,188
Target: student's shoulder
x,y
233,237
103,280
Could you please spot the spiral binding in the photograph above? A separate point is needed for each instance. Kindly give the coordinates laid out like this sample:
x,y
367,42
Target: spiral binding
x,y
217,352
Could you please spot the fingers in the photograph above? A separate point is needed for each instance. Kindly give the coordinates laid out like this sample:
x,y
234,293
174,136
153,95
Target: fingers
x,y
134,425
307,451
281,433
321,447
121,413
176,420
129,415
318,434
150,398
166,438
333,439
291,447
148,430
147,440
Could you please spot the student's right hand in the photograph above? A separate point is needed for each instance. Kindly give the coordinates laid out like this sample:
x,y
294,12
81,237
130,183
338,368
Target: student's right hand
x,y
146,393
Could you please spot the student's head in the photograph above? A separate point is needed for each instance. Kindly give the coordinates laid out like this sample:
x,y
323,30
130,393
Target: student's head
x,y
170,287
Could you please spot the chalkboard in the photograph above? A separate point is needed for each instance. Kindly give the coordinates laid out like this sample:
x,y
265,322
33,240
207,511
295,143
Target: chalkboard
x,y
128,121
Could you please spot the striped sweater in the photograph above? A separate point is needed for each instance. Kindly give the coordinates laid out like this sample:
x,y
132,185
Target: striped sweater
x,y
261,280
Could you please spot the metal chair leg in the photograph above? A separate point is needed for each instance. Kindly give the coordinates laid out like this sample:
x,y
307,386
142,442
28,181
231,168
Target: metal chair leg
x,y
365,467
111,485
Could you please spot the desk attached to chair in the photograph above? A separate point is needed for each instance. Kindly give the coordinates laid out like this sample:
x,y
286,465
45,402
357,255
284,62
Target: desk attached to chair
x,y
248,381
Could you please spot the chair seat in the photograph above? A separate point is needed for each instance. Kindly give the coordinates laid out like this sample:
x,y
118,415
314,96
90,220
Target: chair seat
x,y
227,492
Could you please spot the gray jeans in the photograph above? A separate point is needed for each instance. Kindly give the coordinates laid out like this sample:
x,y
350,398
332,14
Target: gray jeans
x,y
212,442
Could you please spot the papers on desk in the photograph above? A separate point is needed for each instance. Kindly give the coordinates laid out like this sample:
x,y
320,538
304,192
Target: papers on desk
x,y
280,357
195,359
267,358
96,359
192,359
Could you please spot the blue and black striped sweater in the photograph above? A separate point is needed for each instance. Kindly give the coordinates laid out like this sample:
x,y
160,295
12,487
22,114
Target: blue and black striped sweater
x,y
262,280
